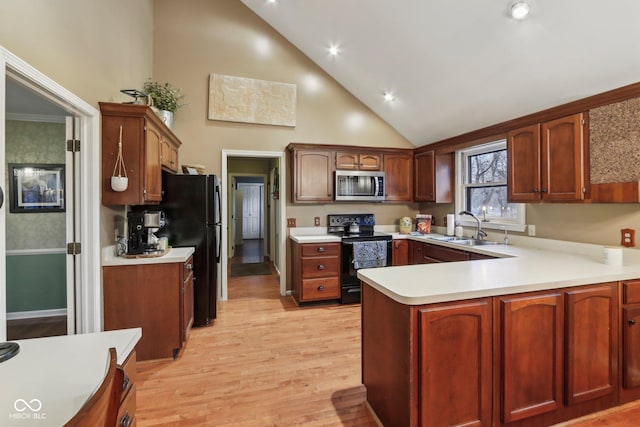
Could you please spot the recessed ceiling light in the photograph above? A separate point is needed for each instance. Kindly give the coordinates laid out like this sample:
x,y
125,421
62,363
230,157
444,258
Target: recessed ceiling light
x,y
334,50
520,10
388,97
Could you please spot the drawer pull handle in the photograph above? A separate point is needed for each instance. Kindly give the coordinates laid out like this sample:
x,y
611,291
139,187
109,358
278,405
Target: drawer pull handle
x,y
632,322
126,420
321,249
320,267
320,288
125,382
189,266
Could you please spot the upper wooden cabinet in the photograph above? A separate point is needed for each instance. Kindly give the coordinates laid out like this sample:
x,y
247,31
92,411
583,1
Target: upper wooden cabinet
x,y
312,172
364,161
549,161
148,146
398,176
433,177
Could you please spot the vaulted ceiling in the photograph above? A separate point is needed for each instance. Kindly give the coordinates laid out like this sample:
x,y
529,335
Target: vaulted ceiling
x,y
455,66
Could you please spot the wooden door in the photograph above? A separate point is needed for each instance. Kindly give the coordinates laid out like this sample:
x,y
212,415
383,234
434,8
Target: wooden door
x,y
591,342
347,161
523,164
530,354
153,164
398,177
631,346
563,159
455,364
400,255
424,173
187,298
313,172
370,161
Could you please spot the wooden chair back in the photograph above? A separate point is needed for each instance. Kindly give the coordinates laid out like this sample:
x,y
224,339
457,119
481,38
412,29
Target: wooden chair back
x,y
101,410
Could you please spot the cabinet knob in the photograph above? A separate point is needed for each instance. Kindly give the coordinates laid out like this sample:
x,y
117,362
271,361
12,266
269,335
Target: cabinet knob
x,y
535,190
632,322
321,249
125,382
544,190
320,267
189,266
320,288
126,420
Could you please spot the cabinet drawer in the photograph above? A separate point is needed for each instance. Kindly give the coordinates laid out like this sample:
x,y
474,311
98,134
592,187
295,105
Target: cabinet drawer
x,y
630,291
187,269
320,249
444,254
318,289
320,267
127,411
130,374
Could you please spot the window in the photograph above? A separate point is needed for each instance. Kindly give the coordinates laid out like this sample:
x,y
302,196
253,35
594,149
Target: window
x,y
482,181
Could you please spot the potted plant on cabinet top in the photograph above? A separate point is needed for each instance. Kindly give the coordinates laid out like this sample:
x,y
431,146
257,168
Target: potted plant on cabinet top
x,y
166,99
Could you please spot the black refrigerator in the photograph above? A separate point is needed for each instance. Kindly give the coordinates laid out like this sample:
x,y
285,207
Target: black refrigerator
x,y
191,204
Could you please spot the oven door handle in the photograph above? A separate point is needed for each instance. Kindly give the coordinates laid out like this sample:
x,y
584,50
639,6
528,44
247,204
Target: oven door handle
x,y
376,187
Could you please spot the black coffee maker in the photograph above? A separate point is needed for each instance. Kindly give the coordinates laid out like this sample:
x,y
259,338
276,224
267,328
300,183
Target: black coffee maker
x,y
141,228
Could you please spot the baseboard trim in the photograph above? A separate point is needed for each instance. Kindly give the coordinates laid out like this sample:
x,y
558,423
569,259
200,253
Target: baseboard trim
x,y
19,315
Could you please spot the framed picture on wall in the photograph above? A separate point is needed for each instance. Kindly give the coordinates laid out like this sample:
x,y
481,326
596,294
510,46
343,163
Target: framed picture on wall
x,y
36,188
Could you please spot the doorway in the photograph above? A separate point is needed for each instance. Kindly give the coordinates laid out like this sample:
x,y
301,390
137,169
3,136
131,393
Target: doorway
x,y
252,172
39,121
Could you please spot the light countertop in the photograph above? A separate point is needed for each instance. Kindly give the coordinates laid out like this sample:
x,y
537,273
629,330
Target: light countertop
x,y
528,265
174,255
56,375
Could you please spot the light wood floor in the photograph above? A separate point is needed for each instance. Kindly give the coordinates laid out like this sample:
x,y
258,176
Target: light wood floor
x,y
266,362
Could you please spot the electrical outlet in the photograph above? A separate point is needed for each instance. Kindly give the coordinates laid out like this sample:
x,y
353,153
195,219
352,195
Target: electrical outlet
x,y
532,230
316,221
628,237
291,222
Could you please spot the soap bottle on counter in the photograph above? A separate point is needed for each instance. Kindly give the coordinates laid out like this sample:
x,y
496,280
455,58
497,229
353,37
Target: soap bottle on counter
x,y
458,230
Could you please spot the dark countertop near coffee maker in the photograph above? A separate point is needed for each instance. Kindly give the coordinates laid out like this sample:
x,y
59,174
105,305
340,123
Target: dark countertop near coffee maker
x,y
174,255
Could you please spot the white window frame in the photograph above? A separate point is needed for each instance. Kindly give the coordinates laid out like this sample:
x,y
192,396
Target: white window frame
x,y
461,194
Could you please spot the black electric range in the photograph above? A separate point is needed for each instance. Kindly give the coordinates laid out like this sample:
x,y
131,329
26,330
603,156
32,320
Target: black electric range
x,y
355,228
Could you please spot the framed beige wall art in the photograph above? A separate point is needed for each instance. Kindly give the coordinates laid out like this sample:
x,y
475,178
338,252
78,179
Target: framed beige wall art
x,y
239,99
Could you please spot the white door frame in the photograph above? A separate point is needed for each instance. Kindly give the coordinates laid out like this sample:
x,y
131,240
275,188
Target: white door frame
x,y
224,294
88,301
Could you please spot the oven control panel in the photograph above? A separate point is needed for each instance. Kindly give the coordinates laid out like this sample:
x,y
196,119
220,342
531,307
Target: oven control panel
x,y
349,219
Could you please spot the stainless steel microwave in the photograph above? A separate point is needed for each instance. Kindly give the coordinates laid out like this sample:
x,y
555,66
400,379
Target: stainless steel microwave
x,y
359,186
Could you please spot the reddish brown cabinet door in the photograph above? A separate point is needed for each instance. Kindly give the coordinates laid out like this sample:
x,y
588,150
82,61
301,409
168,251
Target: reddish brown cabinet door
x,y
400,254
631,346
424,171
591,342
530,354
455,364
523,165
398,177
152,191
313,171
563,159
187,298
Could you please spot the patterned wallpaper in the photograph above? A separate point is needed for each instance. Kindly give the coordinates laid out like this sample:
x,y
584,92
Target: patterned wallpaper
x,y
34,142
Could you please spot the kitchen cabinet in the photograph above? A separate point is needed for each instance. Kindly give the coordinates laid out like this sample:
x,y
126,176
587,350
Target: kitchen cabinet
x,y
364,161
433,177
312,172
630,341
156,297
455,363
400,254
398,176
148,146
127,408
529,353
427,253
549,161
315,271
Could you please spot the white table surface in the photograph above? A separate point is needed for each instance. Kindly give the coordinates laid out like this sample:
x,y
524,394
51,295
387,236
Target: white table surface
x,y
55,376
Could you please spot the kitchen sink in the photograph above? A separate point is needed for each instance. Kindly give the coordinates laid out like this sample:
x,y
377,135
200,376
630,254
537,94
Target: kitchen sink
x,y
474,242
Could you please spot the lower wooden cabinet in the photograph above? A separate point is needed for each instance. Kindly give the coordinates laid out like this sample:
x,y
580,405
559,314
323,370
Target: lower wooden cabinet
x,y
455,364
630,326
127,409
315,271
400,252
156,297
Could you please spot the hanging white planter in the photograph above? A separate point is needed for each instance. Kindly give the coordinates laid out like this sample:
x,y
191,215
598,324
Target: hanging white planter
x,y
119,182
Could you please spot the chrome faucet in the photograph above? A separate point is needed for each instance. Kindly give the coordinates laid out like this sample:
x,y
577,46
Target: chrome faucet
x,y
480,234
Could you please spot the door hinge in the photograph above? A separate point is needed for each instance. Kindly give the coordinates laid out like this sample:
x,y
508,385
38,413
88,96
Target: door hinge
x,y
73,145
73,248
